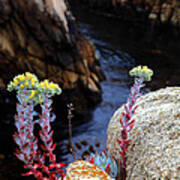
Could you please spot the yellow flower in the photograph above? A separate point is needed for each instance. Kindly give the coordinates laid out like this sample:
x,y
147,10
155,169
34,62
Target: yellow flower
x,y
33,92
16,81
138,68
13,84
21,86
144,69
50,87
41,85
26,83
32,83
143,72
21,77
29,75
40,98
46,83
47,86
33,80
53,86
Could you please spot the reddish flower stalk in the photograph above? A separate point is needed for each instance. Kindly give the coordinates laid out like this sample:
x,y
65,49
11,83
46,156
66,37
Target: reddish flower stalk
x,y
31,93
127,123
48,146
24,136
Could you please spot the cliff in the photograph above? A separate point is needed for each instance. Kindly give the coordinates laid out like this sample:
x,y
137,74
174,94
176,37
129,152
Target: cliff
x,y
156,13
42,37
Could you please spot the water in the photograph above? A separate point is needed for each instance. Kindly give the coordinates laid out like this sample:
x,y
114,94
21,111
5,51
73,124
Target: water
x,y
119,46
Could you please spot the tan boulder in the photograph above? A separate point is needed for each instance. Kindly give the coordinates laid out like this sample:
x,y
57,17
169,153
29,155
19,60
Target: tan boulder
x,y
155,149
82,170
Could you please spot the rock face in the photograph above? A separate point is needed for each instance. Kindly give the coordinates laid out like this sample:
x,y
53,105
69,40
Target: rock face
x,y
160,11
83,170
41,36
154,152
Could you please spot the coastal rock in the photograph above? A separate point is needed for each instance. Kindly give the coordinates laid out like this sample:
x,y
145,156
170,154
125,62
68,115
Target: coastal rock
x,y
160,12
42,37
154,152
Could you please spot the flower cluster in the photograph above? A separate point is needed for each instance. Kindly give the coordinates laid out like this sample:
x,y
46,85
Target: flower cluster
x,y
31,92
142,72
126,121
49,87
25,81
41,162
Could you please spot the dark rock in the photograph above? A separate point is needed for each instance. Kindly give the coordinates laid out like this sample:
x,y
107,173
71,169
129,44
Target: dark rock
x,y
155,13
42,37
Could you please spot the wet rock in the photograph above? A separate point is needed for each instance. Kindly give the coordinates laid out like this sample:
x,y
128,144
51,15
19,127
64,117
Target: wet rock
x,y
78,146
97,144
85,154
138,11
91,149
84,143
154,152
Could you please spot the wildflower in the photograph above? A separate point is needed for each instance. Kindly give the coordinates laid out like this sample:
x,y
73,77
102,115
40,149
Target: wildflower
x,y
33,92
49,87
46,83
138,68
26,83
32,83
13,84
33,80
21,86
53,86
41,85
21,77
142,72
29,75
144,69
16,81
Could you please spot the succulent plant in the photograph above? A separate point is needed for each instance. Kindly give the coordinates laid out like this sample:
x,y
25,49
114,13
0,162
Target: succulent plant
x,y
105,162
142,72
30,92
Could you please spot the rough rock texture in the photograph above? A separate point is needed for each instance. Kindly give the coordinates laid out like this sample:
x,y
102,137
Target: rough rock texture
x,y
82,170
41,36
155,149
160,11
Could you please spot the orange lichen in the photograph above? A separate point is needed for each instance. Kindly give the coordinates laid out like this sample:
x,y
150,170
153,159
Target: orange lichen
x,y
84,170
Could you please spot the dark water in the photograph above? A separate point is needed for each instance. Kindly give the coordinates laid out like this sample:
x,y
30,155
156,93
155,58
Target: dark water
x,y
120,46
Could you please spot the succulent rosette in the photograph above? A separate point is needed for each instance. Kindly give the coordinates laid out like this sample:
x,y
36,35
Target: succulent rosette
x,y
142,72
105,162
